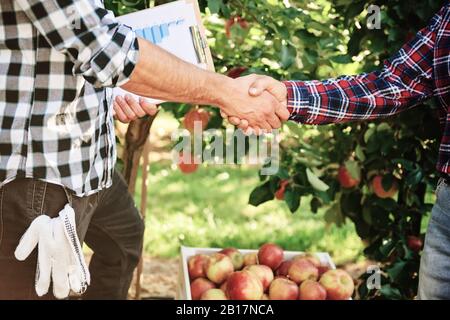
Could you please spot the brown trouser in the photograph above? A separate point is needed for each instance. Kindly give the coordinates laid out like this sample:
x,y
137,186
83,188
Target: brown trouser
x,y
107,221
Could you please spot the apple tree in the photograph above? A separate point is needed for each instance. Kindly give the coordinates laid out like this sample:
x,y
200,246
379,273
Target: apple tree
x,y
377,174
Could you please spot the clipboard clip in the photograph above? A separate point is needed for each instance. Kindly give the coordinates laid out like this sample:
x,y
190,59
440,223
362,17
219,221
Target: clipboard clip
x,y
200,44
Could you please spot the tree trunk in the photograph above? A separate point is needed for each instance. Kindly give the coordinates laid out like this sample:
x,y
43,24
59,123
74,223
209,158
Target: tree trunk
x,y
144,188
136,139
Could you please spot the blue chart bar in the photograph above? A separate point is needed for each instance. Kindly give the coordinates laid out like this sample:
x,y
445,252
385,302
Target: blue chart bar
x,y
165,30
156,34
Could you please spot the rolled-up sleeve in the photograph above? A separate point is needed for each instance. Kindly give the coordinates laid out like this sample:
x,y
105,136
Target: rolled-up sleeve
x,y
103,51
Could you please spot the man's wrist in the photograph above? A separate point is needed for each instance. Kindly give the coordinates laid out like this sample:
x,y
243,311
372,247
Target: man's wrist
x,y
218,88
298,97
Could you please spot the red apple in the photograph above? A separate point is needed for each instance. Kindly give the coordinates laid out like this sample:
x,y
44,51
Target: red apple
x,y
263,273
218,268
345,178
322,269
279,194
250,259
194,116
270,255
214,294
233,20
196,266
283,289
228,24
223,286
187,166
236,72
379,190
236,257
312,290
199,286
338,283
301,270
415,243
244,285
242,22
311,257
283,269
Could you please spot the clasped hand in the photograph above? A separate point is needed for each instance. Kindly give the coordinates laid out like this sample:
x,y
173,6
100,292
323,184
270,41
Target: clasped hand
x,y
254,103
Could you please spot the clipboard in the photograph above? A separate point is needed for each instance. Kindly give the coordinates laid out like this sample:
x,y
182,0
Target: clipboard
x,y
176,27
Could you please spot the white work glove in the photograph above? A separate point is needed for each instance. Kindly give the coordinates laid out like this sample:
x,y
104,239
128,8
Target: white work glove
x,y
60,256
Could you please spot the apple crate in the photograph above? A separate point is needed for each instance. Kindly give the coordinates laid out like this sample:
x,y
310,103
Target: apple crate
x,y
184,287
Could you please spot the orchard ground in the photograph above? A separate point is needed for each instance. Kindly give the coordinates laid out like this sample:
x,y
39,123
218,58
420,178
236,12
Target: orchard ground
x,y
208,208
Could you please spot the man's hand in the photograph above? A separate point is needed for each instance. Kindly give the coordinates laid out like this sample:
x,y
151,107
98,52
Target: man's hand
x,y
258,85
128,108
261,110
160,75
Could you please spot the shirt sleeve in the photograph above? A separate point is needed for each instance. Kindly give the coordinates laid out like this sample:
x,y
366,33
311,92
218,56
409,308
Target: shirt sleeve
x,y
405,80
103,51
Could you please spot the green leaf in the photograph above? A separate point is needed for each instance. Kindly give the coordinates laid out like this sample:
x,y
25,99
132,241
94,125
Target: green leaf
x,y
386,249
282,173
288,55
214,5
383,127
360,153
334,215
353,168
367,215
387,181
318,26
390,292
315,204
414,177
351,203
369,132
225,11
388,204
396,270
342,59
407,164
261,194
294,128
292,199
315,182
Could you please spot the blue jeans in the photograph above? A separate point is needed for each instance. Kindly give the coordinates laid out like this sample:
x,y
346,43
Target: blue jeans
x,y
434,275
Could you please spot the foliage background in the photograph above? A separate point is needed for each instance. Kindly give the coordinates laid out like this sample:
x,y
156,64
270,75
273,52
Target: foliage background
x,y
320,39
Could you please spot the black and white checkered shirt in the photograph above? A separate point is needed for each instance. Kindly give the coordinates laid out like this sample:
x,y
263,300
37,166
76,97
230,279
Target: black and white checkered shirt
x,y
58,62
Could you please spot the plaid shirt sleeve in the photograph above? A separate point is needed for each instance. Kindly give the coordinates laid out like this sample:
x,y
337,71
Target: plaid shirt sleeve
x,y
103,51
405,81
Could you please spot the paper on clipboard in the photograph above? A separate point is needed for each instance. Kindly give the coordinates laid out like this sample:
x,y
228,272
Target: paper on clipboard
x,y
175,27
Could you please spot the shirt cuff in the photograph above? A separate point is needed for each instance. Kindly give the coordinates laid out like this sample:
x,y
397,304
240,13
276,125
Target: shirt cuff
x,y
114,64
298,100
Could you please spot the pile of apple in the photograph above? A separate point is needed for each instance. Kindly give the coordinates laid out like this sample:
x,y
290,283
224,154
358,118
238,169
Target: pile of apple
x,y
265,275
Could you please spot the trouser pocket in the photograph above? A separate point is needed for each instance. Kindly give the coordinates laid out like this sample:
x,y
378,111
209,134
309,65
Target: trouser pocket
x,y
22,200
1,216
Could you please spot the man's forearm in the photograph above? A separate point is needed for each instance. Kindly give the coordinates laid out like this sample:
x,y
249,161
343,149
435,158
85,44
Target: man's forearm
x,y
161,75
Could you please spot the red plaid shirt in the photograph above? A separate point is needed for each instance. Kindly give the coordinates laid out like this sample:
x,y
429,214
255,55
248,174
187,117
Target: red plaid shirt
x,y
420,70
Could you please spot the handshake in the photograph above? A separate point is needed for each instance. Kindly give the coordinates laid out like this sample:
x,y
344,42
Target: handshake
x,y
254,103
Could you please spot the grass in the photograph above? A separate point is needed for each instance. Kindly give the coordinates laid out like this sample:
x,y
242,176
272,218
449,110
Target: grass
x,y
209,209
